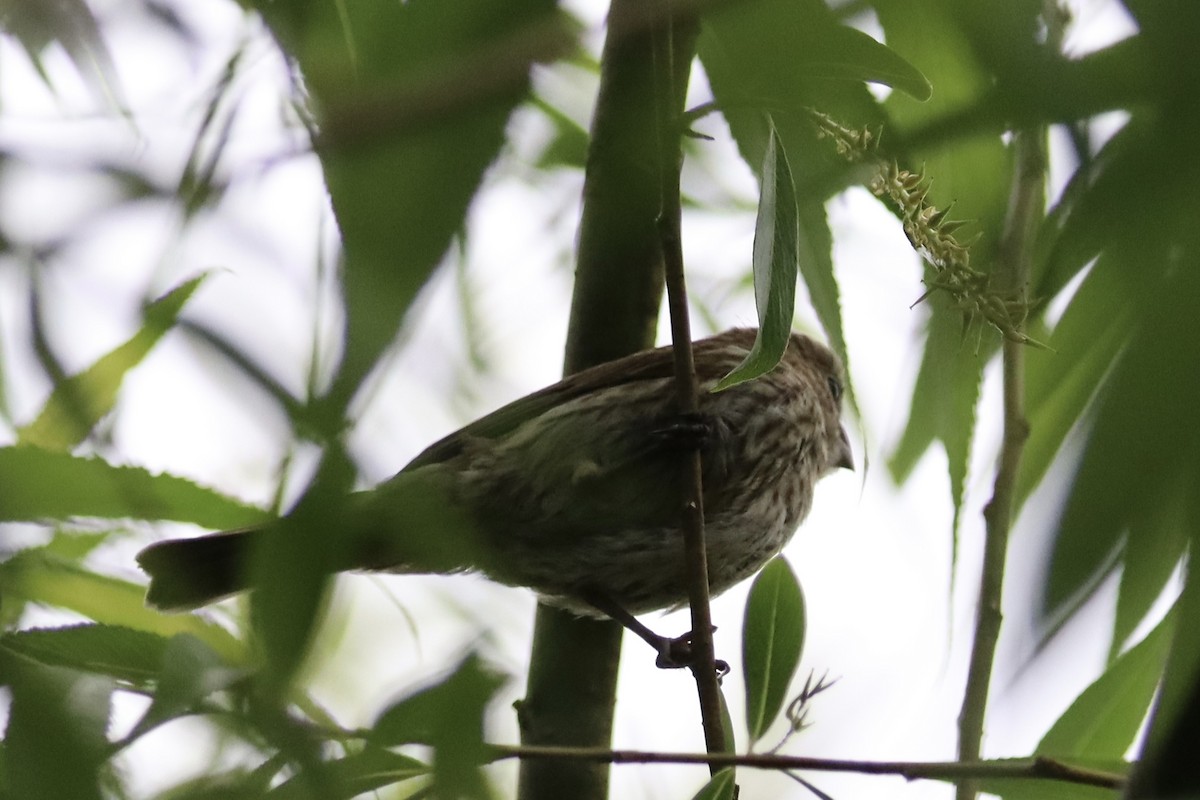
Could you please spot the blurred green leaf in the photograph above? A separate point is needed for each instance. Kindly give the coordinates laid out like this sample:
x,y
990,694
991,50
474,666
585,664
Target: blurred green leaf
x,y
1167,763
81,401
1026,789
188,671
569,146
776,265
43,484
55,743
449,717
72,25
36,576
972,174
288,604
122,653
1105,718
412,99
1142,444
356,774
772,639
1154,549
721,787
1061,381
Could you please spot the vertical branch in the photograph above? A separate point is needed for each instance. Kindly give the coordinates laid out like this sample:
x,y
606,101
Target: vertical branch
x,y
670,161
1025,210
572,681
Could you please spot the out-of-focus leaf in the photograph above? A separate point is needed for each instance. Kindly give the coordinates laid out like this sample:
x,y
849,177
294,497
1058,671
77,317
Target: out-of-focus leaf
x,y
35,576
720,787
188,671
412,100
55,743
568,148
1142,444
772,639
1061,381
118,652
1026,789
1167,765
78,403
972,174
355,775
288,605
776,265
1154,548
42,484
944,398
1105,718
70,23
448,716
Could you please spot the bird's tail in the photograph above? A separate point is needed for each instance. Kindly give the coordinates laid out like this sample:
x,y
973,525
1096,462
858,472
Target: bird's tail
x,y
409,524
189,573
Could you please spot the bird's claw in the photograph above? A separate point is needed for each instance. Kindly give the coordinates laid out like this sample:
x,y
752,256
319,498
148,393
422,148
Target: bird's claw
x,y
678,653
686,430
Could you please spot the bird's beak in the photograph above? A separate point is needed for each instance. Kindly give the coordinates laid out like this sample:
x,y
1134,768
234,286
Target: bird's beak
x,y
843,456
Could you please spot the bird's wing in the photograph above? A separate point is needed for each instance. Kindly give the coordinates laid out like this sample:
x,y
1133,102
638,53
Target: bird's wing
x,y
648,365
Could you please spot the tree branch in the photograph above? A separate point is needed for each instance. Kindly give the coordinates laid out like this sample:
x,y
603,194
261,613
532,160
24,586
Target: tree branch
x,y
1025,210
670,130
1039,768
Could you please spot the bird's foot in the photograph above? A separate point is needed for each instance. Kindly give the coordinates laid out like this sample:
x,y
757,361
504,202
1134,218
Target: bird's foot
x,y
684,431
678,653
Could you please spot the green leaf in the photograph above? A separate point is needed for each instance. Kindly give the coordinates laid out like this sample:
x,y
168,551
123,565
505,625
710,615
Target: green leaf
x,y
720,787
36,576
72,25
413,100
55,743
774,56
860,57
1142,446
81,401
1105,718
1154,548
772,639
355,775
1061,381
42,484
776,264
122,653
973,174
189,671
288,605
1028,789
448,716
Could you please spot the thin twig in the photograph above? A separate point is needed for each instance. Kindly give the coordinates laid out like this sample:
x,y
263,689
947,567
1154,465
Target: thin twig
x,y
1020,769
1025,209
670,130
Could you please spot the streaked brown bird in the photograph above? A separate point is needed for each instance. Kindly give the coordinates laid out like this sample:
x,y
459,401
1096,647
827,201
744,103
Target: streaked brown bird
x,y
575,491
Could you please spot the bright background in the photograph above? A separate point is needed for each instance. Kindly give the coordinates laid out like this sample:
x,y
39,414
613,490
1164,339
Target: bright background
x,y
874,559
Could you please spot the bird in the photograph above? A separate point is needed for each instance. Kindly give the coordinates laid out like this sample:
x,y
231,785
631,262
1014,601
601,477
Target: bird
x,y
576,490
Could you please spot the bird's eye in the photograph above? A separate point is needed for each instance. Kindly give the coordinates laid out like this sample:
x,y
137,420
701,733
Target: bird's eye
x,y
835,388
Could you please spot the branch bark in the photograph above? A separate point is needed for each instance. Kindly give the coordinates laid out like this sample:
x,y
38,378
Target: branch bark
x,y
1025,210
1038,768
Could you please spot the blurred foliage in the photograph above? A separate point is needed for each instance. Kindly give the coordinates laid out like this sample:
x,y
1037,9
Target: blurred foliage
x,y
407,106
